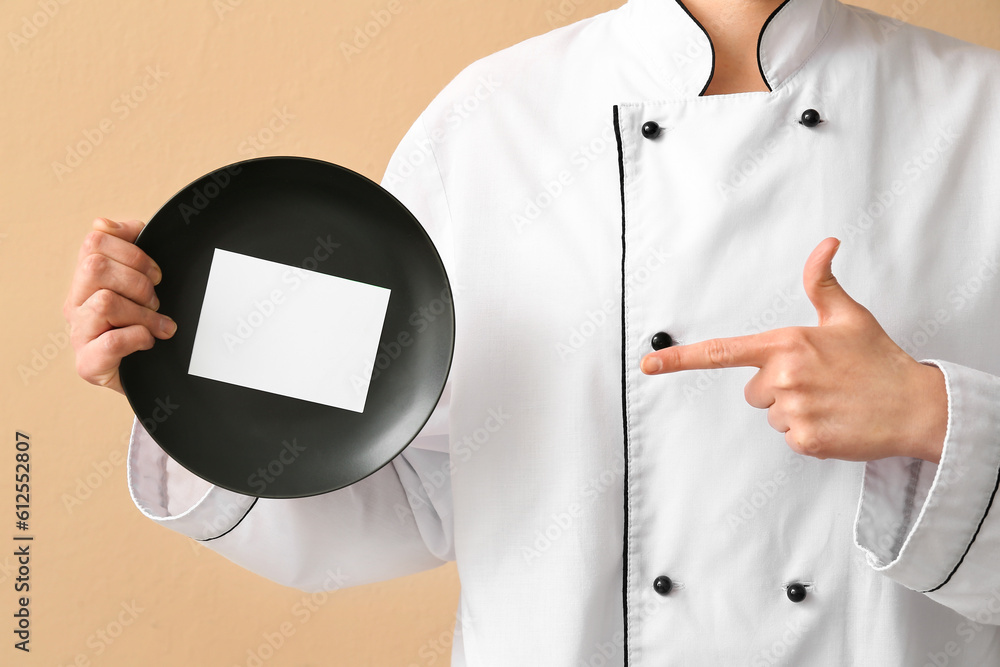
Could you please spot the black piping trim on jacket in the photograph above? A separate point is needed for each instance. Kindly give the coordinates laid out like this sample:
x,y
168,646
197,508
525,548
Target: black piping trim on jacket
x,y
974,535
760,38
711,74
209,539
621,179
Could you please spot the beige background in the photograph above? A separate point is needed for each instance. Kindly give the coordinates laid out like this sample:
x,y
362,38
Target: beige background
x,y
226,67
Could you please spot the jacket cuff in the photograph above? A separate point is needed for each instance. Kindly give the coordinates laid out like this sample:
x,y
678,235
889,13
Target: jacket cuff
x,y
917,523
176,498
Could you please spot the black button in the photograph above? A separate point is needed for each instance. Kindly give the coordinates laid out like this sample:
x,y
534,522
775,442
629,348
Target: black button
x,y
660,340
650,129
810,118
796,592
662,585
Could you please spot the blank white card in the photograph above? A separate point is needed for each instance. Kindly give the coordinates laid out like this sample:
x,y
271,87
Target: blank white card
x,y
288,331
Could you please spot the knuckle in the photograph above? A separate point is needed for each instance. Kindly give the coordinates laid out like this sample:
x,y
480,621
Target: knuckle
x,y
719,353
791,341
808,443
103,301
137,259
95,264
146,288
785,378
121,342
794,406
114,342
93,241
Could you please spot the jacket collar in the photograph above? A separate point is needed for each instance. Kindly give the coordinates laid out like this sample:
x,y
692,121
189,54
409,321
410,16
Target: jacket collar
x,y
683,53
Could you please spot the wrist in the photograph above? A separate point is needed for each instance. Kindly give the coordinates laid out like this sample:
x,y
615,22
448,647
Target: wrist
x,y
930,412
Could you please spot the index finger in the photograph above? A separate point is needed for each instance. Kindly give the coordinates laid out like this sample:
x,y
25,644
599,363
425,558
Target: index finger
x,y
127,230
751,350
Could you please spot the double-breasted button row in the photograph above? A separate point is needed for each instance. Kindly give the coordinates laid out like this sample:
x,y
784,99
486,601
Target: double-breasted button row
x,y
810,118
796,592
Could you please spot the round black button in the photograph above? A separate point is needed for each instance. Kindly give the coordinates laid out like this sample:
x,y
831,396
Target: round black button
x,y
650,129
796,592
660,340
810,118
662,585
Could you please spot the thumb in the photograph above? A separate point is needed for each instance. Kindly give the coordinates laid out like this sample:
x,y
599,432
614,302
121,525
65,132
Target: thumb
x,y
822,288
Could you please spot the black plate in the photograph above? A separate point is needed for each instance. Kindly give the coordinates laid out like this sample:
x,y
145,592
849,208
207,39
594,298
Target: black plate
x,y
264,444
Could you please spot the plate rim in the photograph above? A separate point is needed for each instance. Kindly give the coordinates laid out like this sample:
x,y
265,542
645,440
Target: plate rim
x,y
347,173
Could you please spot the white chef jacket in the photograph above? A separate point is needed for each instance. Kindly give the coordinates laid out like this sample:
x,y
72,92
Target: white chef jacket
x,y
562,480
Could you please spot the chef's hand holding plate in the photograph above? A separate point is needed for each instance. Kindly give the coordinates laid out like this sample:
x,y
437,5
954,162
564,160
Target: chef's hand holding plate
x,y
842,389
111,305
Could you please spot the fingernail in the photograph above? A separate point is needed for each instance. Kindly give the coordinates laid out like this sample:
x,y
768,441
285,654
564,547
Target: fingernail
x,y
651,364
157,275
168,326
111,223
155,303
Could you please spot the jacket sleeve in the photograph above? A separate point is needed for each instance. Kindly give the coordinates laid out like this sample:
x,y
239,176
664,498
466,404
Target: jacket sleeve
x,y
394,522
936,528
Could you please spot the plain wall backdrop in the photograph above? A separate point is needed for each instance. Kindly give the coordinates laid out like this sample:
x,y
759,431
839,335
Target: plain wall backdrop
x,y
164,92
